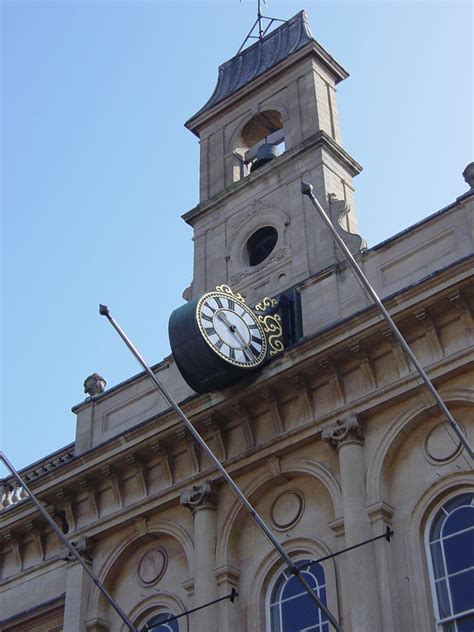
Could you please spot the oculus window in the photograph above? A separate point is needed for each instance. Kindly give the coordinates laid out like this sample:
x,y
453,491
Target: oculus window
x,y
260,245
161,623
290,608
451,557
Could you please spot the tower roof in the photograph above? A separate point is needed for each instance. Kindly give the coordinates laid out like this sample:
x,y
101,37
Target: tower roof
x,y
253,61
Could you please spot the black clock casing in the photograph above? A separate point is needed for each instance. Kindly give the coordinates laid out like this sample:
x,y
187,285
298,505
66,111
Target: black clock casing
x,y
203,365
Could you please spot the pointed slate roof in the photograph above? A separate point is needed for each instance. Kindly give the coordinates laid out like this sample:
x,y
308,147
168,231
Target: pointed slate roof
x,y
253,61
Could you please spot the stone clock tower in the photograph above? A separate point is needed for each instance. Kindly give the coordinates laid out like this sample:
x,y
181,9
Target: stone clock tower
x,y
271,121
331,438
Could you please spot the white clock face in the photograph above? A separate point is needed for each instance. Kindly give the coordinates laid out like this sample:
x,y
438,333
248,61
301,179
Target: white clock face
x,y
231,329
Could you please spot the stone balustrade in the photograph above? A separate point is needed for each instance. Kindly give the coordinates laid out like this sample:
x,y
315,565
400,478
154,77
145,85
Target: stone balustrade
x,y
10,493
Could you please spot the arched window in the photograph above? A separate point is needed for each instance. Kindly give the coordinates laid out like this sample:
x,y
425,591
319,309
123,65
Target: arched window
x,y
263,129
290,608
450,546
161,623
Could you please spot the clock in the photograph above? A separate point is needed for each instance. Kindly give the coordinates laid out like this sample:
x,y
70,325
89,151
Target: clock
x,y
215,339
231,329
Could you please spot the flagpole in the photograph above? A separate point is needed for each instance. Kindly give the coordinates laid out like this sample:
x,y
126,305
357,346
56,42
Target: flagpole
x,y
307,189
104,311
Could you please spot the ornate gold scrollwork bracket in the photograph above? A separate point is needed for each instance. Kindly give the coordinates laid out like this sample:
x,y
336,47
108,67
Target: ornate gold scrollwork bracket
x,y
271,323
227,290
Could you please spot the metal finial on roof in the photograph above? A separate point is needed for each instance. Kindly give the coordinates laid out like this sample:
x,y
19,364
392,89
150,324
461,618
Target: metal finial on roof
x,y
261,25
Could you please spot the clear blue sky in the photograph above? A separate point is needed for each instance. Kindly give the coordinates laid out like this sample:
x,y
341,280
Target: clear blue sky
x,y
97,167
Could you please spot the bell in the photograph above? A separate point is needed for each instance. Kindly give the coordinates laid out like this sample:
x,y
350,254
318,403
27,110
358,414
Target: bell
x,y
265,153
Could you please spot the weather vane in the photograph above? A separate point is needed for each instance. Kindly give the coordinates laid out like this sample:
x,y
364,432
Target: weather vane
x,y
261,25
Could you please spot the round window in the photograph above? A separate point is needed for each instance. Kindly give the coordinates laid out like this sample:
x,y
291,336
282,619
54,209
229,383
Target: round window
x,y
261,244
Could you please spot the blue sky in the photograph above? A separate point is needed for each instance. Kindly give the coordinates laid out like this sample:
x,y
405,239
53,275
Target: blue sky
x,y
97,167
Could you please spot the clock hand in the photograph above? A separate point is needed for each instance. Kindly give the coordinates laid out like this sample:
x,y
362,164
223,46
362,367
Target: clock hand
x,y
233,328
226,321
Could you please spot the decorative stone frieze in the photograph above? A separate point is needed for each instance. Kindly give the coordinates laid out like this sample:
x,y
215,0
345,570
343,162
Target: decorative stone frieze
x,y
200,496
346,429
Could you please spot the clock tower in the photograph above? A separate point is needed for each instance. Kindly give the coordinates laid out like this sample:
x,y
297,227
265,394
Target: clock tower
x,y
271,121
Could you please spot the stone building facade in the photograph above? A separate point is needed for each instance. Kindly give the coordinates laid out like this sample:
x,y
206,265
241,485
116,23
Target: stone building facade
x,y
333,440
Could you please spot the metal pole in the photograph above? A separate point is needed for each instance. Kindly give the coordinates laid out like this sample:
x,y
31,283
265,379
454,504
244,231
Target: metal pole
x,y
307,189
104,311
69,546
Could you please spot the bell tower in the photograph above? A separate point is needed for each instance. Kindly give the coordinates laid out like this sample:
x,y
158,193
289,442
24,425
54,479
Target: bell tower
x,y
271,121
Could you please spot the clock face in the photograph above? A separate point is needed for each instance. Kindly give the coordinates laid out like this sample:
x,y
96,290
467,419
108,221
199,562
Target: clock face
x,y
231,329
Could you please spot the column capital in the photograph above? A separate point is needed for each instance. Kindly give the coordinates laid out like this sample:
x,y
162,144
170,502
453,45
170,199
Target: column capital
x,y
347,429
200,497
83,546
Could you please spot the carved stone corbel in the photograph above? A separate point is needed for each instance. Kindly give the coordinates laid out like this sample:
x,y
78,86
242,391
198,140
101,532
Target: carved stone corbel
x,y
304,395
191,451
163,460
273,464
339,211
431,333
366,365
245,424
274,409
397,353
115,484
213,424
139,473
15,542
465,315
38,537
200,496
65,505
347,429
90,488
335,381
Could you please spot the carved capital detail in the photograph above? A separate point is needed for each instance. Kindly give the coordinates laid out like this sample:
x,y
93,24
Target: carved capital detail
x,y
346,429
83,546
200,496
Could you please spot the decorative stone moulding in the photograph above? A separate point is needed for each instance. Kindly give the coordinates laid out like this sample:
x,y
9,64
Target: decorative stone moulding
x,y
441,445
287,509
152,566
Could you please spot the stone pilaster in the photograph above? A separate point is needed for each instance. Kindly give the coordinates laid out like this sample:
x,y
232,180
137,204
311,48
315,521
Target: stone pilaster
x,y
364,607
78,585
202,501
